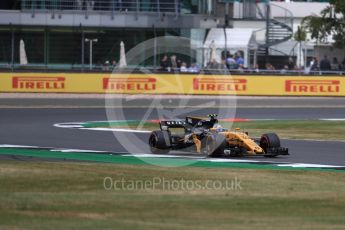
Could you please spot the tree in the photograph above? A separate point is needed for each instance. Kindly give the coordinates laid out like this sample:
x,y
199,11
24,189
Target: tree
x,y
300,35
331,22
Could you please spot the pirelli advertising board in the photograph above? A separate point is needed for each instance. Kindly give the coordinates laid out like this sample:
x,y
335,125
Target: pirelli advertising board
x,y
173,84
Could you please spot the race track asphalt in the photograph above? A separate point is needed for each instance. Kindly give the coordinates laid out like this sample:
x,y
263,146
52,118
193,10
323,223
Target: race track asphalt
x,y
31,122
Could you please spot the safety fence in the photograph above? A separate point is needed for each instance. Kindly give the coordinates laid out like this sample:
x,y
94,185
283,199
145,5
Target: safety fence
x,y
184,84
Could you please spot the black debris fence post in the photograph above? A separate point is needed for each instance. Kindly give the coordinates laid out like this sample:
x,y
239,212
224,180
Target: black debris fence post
x,y
91,42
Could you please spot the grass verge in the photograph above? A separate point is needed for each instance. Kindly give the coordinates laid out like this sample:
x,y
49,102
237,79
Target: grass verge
x,y
72,196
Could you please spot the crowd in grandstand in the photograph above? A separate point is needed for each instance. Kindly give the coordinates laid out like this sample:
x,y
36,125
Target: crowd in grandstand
x,y
173,64
235,62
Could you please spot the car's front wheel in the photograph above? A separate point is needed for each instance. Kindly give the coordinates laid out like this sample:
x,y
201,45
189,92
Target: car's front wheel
x,y
269,141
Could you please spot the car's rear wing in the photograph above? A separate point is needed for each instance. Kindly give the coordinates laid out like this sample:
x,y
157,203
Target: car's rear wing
x,y
165,125
189,123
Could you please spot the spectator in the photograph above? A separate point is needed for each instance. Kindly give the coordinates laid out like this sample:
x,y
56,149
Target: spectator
x,y
291,64
193,68
314,64
239,59
269,66
225,54
256,68
106,66
285,69
113,64
335,61
173,62
231,62
343,65
325,64
183,68
335,64
296,68
179,63
164,63
213,64
223,65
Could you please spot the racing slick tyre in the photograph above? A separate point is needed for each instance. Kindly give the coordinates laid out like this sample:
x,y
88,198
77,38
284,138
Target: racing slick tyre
x,y
159,142
269,140
215,145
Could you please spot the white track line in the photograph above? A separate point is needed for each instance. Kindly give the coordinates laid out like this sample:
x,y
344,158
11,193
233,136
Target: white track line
x,y
302,165
117,130
76,151
332,119
17,146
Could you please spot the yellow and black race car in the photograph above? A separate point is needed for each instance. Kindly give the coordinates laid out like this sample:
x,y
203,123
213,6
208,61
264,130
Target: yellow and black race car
x,y
205,135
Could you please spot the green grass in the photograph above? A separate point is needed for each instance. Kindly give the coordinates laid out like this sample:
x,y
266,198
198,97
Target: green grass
x,y
290,129
71,196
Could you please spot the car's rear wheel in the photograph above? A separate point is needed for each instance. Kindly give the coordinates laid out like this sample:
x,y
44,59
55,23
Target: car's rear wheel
x,y
159,142
215,145
269,140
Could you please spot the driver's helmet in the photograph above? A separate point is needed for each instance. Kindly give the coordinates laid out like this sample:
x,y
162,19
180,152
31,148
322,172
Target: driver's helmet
x,y
218,127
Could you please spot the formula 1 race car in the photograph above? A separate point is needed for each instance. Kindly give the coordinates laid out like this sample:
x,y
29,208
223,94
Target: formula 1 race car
x,y
205,135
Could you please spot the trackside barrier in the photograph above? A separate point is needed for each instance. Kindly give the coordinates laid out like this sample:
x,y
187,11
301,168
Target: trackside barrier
x,y
172,84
